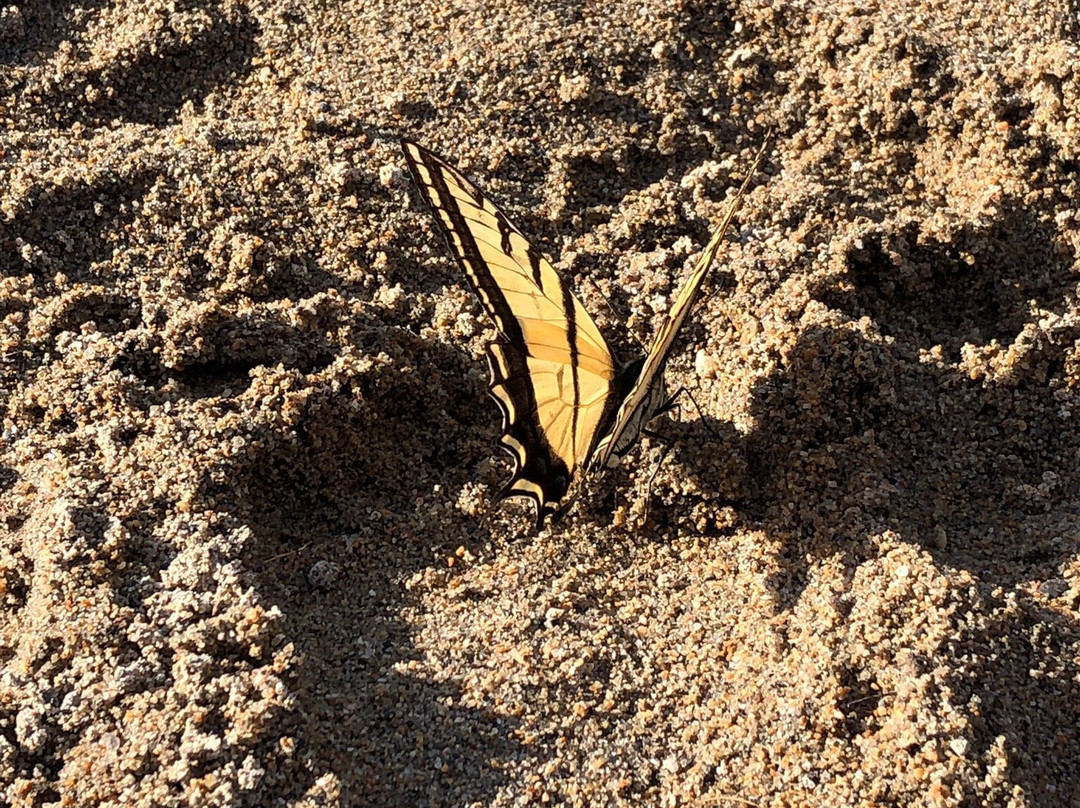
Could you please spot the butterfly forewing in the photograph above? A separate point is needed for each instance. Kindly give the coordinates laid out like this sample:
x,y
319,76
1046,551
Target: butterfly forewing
x,y
551,369
646,396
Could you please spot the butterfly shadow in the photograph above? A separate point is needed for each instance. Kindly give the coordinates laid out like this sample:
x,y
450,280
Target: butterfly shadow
x,y
692,461
882,424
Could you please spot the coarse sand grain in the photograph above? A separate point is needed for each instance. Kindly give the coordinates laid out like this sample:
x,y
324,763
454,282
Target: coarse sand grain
x,y
249,548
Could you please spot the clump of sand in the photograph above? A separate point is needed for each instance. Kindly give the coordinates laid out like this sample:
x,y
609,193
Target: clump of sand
x,y
249,553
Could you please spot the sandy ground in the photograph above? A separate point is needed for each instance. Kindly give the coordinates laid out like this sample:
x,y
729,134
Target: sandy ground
x,y
248,548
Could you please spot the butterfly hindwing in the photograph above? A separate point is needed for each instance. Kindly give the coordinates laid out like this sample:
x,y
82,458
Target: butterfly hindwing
x,y
551,370
540,472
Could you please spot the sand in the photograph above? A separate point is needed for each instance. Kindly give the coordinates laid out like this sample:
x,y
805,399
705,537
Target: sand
x,y
249,549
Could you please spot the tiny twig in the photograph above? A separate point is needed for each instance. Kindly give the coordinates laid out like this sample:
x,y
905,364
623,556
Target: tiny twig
x,y
280,556
731,798
871,697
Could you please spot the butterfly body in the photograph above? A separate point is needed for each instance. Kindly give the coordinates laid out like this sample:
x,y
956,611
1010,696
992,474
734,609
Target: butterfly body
x,y
612,447
568,413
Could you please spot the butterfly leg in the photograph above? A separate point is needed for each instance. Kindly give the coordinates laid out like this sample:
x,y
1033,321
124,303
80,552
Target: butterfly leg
x,y
669,444
669,405
563,509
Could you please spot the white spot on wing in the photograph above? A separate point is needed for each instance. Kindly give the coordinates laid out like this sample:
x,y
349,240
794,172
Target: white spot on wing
x,y
499,391
528,486
515,445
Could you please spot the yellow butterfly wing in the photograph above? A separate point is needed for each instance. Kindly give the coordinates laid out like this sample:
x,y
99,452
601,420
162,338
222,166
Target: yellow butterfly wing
x,y
551,370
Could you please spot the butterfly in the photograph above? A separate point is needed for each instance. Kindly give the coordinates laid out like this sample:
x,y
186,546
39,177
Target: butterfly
x,y
567,409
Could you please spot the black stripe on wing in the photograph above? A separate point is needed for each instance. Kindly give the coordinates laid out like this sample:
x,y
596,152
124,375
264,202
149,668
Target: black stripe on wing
x,y
539,473
575,361
468,254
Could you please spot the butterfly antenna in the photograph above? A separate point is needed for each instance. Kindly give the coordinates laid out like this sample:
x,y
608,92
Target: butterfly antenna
x,y
614,313
669,444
